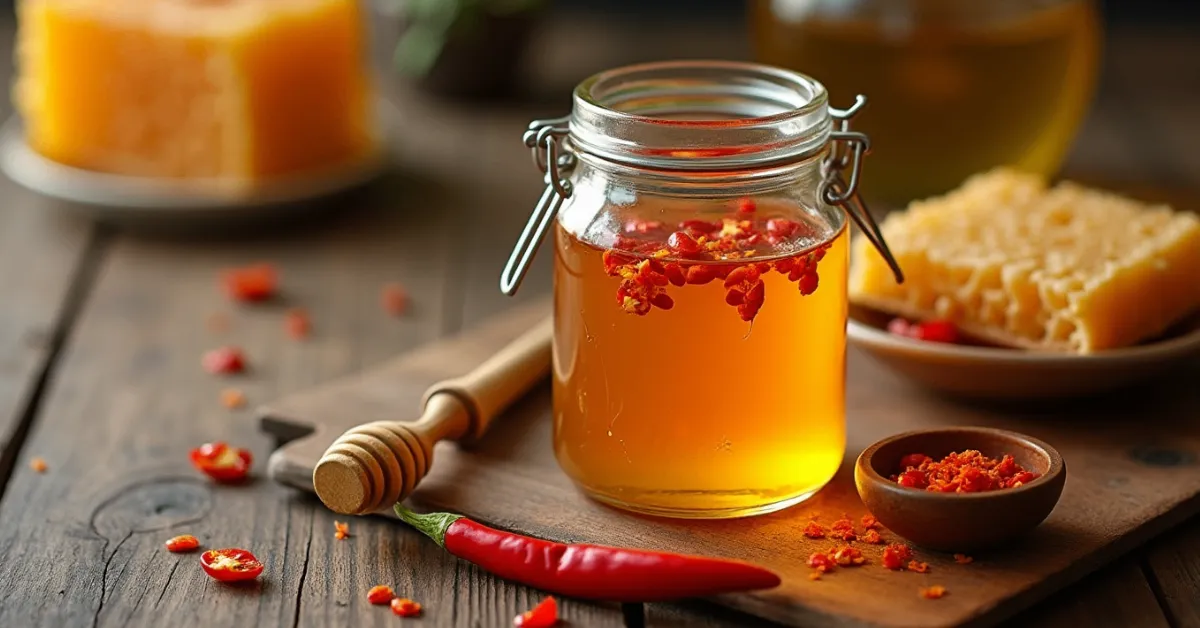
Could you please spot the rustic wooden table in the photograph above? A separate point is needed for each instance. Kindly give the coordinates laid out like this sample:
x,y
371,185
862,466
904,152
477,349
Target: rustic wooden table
x,y
101,332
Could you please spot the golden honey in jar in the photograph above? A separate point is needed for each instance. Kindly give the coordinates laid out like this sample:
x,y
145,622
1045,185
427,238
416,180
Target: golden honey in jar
x,y
699,287
1003,82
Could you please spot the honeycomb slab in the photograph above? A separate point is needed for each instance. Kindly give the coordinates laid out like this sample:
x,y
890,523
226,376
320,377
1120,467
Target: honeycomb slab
x,y
1018,263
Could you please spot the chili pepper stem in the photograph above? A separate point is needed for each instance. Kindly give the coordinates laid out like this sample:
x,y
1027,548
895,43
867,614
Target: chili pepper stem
x,y
432,525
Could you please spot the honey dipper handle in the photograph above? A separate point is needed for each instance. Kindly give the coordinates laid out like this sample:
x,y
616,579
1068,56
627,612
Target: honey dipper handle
x,y
502,379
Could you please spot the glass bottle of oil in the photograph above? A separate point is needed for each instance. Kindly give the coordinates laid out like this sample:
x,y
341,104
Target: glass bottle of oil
x,y
957,86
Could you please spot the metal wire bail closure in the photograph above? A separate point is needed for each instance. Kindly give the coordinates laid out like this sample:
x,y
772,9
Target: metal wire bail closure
x,y
544,139
847,149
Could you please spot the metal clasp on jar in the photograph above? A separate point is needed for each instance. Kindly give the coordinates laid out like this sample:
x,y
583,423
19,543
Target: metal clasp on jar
x,y
544,139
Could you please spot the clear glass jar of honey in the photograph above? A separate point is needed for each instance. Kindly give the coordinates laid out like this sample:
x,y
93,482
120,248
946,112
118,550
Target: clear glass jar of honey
x,y
698,215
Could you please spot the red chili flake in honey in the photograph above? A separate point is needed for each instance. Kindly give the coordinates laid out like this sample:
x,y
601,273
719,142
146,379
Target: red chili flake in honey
x,y
967,472
847,556
934,592
869,522
38,465
340,530
814,530
963,559
224,360
842,529
297,324
873,537
918,566
895,554
821,562
746,206
394,299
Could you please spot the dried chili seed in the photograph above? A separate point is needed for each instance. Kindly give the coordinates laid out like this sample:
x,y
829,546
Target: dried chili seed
x,y
182,543
963,559
918,566
814,530
934,592
683,244
544,615
869,522
340,530
297,324
394,299
380,594
821,562
405,607
894,556
233,398
873,537
256,282
847,556
38,465
224,360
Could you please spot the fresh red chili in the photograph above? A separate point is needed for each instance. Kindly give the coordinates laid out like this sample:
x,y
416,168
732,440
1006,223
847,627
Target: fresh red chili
x,y
230,565
222,462
544,615
588,571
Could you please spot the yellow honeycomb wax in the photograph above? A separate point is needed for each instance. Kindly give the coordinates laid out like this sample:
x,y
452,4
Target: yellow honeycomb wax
x,y
1010,260
242,90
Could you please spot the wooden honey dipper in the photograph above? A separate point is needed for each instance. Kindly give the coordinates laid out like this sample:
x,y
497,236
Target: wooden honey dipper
x,y
375,465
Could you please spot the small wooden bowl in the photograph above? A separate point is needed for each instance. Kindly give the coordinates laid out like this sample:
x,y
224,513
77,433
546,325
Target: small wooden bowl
x,y
959,522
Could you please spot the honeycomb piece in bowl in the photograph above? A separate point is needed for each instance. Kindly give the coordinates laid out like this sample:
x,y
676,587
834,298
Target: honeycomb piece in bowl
x,y
1014,262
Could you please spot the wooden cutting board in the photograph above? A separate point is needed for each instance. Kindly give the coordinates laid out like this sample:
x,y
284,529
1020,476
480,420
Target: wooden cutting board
x,y
1132,473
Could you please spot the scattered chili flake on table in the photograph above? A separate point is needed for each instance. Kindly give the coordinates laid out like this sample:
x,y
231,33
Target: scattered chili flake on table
x,y
230,565
233,398
340,530
918,566
814,530
256,282
182,543
394,299
297,324
815,575
38,465
963,559
869,522
224,360
930,331
873,537
222,462
544,615
895,554
967,472
588,571
821,562
842,529
380,594
847,556
405,607
934,592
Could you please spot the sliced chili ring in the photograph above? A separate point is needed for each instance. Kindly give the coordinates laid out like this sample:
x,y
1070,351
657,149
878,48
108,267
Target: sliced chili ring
x,y
230,565
222,462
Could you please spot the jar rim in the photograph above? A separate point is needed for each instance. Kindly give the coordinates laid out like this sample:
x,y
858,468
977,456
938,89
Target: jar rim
x,y
700,115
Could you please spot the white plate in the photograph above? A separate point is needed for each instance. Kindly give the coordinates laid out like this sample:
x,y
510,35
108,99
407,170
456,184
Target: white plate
x,y
1013,374
123,199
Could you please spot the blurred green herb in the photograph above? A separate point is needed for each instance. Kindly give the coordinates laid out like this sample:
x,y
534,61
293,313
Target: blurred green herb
x,y
429,25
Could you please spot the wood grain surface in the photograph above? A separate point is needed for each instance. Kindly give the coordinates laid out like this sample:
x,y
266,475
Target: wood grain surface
x,y
100,334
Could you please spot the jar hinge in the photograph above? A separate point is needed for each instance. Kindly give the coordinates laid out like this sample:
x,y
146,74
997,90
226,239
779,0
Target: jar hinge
x,y
544,139
847,149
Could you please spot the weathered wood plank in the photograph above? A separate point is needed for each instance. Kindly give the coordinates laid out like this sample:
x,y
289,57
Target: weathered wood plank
x,y
1173,566
40,259
1117,596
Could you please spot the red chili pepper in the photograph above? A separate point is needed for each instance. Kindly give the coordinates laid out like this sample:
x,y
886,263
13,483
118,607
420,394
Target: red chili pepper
x,y
544,615
222,462
588,571
230,565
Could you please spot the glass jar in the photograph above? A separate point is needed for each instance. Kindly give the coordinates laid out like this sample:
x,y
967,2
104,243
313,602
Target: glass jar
x,y
699,285
1005,82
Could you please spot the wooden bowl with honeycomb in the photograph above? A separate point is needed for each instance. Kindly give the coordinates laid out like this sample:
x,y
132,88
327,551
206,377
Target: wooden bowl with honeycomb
x,y
1018,290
